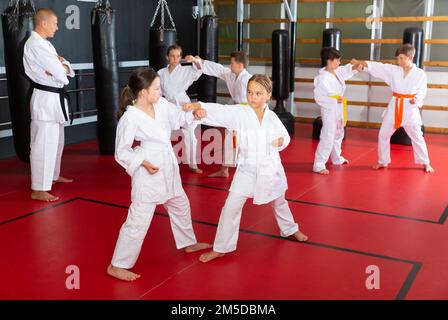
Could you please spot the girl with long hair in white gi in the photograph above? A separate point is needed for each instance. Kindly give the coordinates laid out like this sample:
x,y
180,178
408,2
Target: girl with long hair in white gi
x,y
149,119
259,174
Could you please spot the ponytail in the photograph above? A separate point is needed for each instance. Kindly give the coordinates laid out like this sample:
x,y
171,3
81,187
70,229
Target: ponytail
x,y
127,98
140,79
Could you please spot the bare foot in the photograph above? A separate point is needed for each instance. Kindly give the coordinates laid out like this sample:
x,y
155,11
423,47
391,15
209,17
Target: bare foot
x,y
223,172
429,169
206,257
323,172
62,180
379,166
43,196
122,274
198,247
300,236
195,170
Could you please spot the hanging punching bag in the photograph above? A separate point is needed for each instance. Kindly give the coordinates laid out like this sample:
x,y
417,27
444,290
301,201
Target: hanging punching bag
x,y
17,23
330,38
107,83
413,36
208,50
159,42
280,76
160,37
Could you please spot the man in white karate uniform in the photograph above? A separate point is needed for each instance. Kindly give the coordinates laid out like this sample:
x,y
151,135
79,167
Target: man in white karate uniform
x,y
48,74
236,78
409,87
175,80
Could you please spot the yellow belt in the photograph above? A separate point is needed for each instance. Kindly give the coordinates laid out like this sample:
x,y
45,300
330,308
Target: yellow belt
x,y
344,104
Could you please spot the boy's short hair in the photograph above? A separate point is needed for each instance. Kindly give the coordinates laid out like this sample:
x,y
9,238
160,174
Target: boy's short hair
x,y
174,47
407,49
329,53
241,57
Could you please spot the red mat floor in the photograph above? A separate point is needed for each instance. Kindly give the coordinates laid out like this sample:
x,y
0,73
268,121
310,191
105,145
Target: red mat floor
x,y
356,217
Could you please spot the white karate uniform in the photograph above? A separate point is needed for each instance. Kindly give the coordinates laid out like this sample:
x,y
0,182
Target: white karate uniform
x,y
149,190
259,174
326,86
237,87
47,118
174,86
414,83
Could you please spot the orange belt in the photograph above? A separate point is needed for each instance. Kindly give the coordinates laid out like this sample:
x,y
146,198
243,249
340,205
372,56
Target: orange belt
x,y
399,103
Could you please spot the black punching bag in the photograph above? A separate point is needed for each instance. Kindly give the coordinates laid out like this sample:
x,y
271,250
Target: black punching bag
x,y
331,38
413,36
159,41
280,77
107,84
17,23
208,50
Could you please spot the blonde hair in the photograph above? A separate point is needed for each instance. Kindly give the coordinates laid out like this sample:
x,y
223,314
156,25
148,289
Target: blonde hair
x,y
262,80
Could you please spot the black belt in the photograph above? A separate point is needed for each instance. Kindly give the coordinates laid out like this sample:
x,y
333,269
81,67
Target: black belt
x,y
62,95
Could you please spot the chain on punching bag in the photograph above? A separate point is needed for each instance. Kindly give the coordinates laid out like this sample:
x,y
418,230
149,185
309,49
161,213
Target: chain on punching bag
x,y
160,38
105,63
208,50
17,22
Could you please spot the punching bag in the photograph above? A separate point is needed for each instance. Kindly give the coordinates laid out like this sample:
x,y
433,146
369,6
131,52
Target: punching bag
x,y
107,83
292,56
208,50
331,38
159,42
161,37
413,36
280,77
17,23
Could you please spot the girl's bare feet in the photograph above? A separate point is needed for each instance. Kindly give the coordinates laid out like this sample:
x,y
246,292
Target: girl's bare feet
x,y
223,172
122,274
43,196
301,237
429,169
197,247
379,166
195,170
63,180
206,257
323,172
